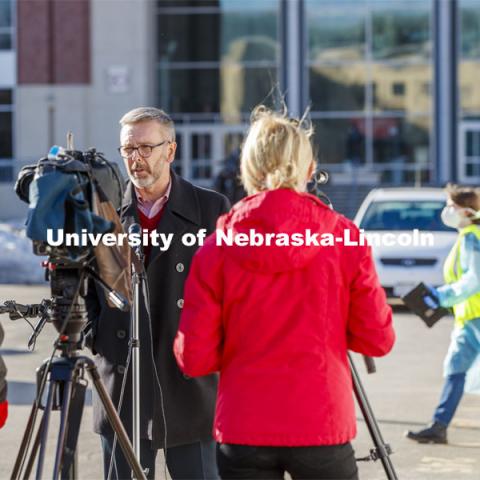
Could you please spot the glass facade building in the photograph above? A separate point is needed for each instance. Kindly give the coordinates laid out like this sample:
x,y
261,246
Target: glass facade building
x,y
391,85
367,74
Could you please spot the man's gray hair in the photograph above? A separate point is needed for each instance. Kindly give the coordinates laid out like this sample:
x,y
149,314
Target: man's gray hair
x,y
142,114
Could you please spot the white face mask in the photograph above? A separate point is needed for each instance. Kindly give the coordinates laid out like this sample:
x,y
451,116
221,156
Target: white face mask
x,y
452,217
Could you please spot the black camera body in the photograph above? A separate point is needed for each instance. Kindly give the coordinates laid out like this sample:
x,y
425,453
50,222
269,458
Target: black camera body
x,y
105,172
60,190
87,167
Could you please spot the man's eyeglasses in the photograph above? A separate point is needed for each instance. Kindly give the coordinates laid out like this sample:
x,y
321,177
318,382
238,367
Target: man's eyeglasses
x,y
143,150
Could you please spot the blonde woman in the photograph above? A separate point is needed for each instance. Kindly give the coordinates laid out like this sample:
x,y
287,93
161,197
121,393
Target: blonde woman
x,y
276,319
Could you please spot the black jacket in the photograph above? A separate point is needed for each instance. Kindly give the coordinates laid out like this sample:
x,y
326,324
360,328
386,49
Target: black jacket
x,y
189,404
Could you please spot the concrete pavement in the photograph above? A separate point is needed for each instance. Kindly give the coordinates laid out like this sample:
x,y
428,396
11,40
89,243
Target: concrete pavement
x,y
403,394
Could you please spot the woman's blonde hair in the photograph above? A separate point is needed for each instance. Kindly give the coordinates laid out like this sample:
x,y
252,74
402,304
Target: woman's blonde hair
x,y
277,152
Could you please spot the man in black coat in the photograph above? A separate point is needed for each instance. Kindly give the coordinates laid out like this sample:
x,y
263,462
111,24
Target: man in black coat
x,y
176,412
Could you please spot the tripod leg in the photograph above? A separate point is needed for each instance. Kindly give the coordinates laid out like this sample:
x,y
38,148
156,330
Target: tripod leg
x,y
74,420
29,429
116,424
33,453
65,406
22,452
44,429
381,449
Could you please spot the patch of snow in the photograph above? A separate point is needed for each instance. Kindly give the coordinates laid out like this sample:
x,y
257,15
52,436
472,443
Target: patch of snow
x,y
18,264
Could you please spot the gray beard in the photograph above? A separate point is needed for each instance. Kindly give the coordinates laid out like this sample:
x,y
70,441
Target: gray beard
x,y
143,183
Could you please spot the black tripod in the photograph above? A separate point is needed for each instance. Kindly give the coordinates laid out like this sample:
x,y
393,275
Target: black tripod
x,y
382,450
66,393
64,375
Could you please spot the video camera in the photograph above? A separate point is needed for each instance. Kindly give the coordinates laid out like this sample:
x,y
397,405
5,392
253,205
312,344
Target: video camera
x,y
67,191
60,189
70,190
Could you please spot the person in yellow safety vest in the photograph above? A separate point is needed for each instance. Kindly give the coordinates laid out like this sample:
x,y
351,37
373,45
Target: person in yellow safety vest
x,y
462,293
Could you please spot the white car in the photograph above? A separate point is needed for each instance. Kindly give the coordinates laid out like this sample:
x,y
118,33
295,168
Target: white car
x,y
387,214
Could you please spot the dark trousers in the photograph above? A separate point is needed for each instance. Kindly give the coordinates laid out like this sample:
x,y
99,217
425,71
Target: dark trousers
x,y
320,463
195,461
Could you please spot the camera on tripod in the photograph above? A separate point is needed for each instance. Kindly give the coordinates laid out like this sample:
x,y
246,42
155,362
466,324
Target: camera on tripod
x,y
66,191
70,190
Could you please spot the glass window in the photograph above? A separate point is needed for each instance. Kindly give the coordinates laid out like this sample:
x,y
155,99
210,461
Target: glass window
x,y
469,64
401,87
6,135
398,89
216,57
5,13
471,165
5,24
188,38
232,142
372,57
201,161
5,41
473,143
189,90
401,29
404,215
201,146
470,28
230,90
227,36
340,140
400,139
335,67
5,97
337,88
402,143
336,30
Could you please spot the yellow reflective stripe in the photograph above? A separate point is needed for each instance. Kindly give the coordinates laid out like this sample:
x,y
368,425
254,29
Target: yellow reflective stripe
x,y
469,308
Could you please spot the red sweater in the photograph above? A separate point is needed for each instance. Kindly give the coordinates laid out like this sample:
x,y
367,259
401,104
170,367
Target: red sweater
x,y
149,224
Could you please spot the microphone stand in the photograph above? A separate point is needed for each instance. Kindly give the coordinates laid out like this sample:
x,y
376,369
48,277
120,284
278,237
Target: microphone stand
x,y
137,279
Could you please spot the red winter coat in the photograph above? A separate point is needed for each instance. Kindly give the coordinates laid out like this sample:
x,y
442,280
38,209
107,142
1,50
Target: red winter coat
x,y
277,321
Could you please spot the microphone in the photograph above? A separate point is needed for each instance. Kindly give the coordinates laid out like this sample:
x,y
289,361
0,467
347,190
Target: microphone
x,y
136,229
116,298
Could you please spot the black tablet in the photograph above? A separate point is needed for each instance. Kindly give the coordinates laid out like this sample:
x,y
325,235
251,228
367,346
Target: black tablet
x,y
414,300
